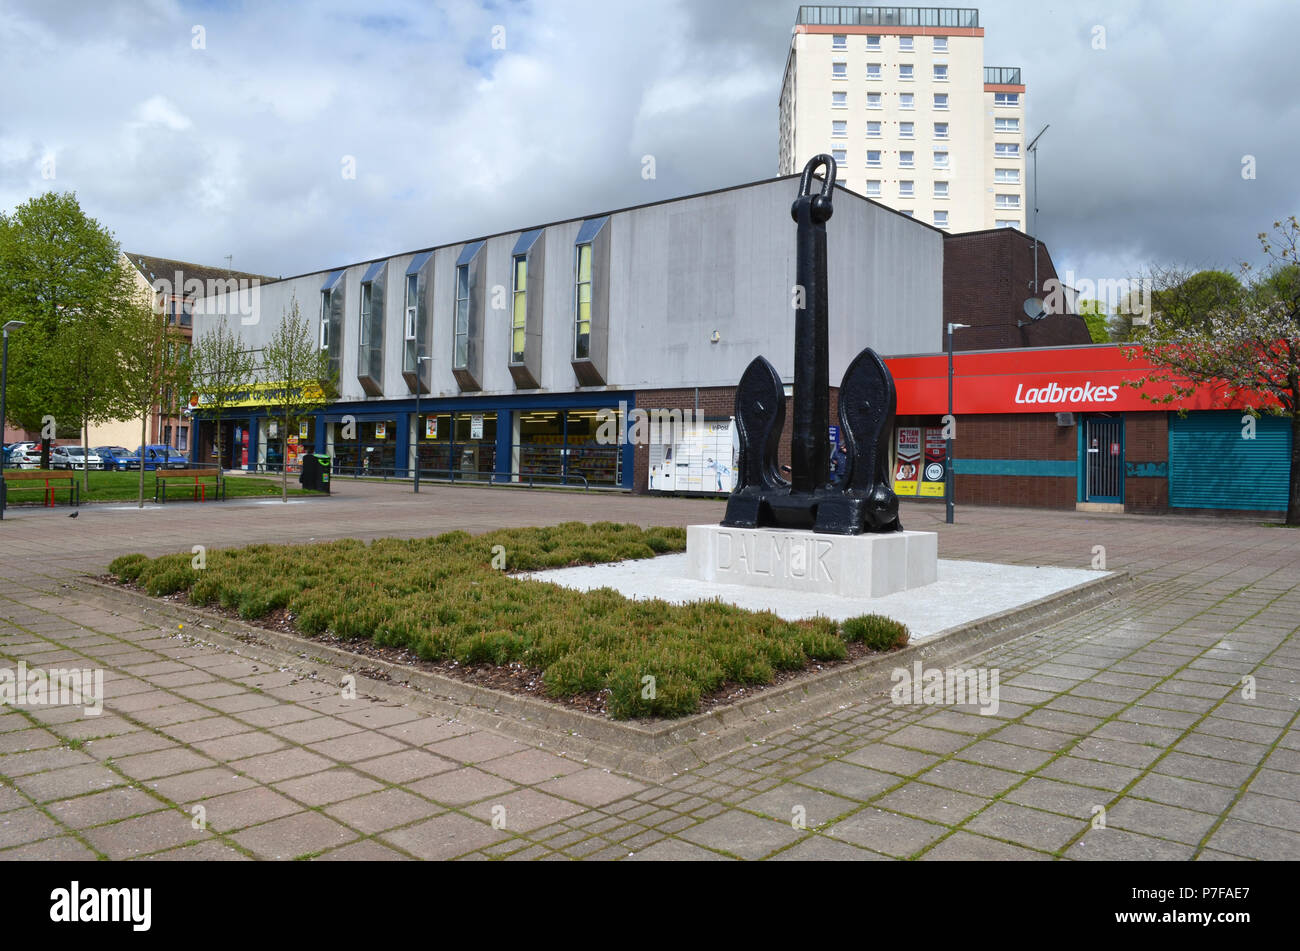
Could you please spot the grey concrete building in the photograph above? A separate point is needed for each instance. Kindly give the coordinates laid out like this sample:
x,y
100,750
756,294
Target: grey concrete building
x,y
532,337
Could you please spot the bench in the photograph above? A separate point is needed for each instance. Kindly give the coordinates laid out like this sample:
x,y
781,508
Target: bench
x,y
194,479
44,476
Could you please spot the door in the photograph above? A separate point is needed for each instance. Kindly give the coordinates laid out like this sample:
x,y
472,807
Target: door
x,y
1103,467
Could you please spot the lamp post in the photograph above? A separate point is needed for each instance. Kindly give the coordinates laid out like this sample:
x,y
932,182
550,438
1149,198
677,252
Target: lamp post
x,y
4,386
419,384
1033,147
948,487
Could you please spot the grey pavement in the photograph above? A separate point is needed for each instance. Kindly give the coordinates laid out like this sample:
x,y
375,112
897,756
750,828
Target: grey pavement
x,y
1161,725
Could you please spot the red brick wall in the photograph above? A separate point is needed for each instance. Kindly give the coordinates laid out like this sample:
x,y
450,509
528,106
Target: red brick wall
x,y
1146,442
987,276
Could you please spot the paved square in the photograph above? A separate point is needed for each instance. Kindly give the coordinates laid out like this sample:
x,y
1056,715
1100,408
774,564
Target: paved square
x,y
1123,732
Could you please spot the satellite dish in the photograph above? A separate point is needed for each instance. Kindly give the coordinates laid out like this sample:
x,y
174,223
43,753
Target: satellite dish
x,y
1034,308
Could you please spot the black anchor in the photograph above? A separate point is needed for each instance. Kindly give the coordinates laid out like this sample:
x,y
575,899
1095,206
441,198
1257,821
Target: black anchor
x,y
861,499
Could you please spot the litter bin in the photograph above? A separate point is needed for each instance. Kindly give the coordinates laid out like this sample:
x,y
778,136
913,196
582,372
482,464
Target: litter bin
x,y
315,475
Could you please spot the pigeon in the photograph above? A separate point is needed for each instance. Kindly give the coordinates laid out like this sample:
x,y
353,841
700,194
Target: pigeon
x,y
74,515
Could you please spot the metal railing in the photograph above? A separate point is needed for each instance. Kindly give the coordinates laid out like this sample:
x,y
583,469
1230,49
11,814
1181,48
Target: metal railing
x,y
1002,75
826,15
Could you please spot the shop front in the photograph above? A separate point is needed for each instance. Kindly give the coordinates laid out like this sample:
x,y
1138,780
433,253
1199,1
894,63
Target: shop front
x,y
1075,427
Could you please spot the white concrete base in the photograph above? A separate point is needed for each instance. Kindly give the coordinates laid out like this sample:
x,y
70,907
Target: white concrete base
x,y
1108,508
861,566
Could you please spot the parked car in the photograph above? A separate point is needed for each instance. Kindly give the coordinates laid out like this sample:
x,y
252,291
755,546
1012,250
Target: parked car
x,y
118,458
74,457
161,457
25,455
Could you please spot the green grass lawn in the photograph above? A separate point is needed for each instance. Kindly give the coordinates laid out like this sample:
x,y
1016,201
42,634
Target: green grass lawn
x,y
443,599
124,487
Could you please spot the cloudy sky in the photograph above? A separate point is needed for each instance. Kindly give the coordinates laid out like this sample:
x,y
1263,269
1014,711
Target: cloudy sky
x,y
196,129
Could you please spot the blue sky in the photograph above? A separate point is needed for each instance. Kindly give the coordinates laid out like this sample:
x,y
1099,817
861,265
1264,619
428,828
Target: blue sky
x,y
237,145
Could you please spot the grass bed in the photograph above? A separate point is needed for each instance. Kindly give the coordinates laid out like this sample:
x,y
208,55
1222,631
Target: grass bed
x,y
442,599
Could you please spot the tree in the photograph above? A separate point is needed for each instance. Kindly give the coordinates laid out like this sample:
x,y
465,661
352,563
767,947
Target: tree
x,y
1247,344
62,273
294,364
219,364
1094,315
146,347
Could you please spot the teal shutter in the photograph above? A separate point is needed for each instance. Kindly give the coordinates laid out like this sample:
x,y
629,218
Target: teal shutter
x,y
1212,467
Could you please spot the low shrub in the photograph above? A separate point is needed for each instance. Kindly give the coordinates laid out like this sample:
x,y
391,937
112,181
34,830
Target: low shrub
x,y
877,632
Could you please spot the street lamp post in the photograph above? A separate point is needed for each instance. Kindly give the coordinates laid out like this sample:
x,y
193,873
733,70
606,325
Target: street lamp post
x,y
419,384
948,479
4,386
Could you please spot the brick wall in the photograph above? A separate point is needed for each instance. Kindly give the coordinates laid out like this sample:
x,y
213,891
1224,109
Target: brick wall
x,y
1146,444
987,276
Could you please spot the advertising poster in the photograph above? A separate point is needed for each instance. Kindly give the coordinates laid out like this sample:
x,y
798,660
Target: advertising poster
x,y
292,453
934,475
476,426
907,471
243,449
302,429
273,429
431,427
381,430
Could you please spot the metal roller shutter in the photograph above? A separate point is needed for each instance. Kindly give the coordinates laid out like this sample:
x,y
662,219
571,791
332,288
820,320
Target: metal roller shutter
x,y
1212,467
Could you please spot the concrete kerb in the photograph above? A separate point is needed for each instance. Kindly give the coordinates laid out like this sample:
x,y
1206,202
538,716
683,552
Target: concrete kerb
x,y
652,750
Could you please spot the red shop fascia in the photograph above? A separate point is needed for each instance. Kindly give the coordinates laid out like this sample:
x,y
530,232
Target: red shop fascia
x,y
1097,379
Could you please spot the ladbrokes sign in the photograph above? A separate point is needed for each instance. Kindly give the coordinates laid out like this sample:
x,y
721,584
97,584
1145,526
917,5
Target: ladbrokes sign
x,y
1072,395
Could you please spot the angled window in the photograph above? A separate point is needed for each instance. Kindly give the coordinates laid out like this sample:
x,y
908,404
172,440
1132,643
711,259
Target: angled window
x,y
332,308
467,317
528,266
412,309
591,302
416,308
582,315
460,349
370,327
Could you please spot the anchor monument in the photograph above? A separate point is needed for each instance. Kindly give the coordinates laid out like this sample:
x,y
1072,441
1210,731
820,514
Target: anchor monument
x,y
783,533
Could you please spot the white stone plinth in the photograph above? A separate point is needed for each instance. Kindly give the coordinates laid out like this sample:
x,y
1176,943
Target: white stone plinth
x,y
863,566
